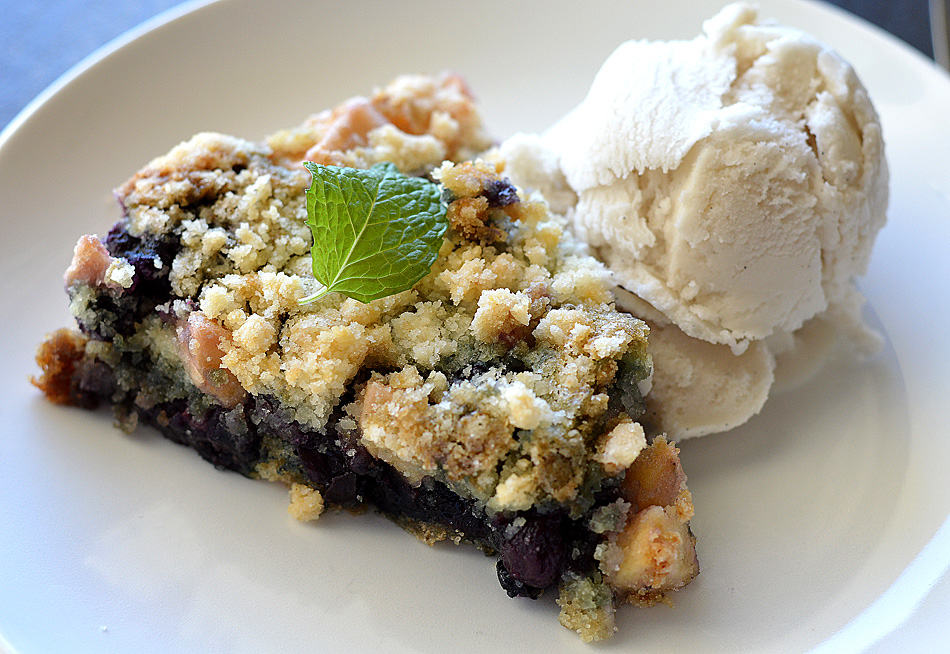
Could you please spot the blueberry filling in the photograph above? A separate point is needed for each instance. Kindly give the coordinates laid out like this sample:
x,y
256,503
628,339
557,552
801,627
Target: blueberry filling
x,y
535,548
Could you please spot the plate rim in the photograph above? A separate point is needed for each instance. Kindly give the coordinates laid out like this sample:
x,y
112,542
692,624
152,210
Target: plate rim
x,y
172,14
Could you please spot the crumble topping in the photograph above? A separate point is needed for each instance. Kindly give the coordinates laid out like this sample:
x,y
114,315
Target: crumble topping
x,y
587,607
509,284
416,122
621,446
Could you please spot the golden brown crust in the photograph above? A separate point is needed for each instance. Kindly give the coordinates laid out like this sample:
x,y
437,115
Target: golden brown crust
x,y
58,356
431,533
189,178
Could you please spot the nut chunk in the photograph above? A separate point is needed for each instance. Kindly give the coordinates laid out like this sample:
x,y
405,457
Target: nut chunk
x,y
655,552
199,344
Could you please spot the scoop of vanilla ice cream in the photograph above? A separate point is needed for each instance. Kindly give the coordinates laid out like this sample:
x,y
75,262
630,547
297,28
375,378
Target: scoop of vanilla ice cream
x,y
735,182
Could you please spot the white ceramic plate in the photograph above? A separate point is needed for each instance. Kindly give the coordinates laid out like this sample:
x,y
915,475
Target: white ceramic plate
x,y
823,522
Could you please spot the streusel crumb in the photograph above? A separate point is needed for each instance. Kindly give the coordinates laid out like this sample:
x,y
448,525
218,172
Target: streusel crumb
x,y
587,608
306,503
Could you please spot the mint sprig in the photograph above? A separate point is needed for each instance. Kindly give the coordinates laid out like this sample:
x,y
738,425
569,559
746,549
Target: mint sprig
x,y
376,232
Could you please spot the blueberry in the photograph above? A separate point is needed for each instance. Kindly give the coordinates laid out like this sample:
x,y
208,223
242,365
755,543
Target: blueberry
x,y
535,553
500,193
513,587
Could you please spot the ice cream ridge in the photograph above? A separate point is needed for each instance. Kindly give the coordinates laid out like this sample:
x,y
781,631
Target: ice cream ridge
x,y
734,184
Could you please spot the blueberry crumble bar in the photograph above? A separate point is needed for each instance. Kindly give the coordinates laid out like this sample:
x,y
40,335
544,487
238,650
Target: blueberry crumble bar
x,y
495,402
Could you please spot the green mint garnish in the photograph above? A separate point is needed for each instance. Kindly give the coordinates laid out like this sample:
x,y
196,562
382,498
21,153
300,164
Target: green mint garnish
x,y
375,232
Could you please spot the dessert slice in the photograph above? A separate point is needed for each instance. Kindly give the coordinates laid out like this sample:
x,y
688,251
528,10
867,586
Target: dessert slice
x,y
495,402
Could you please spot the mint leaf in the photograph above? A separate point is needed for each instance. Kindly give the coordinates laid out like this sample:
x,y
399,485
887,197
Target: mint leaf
x,y
375,232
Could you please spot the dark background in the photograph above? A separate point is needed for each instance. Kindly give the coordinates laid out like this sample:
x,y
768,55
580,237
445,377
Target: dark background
x,y
908,20
42,39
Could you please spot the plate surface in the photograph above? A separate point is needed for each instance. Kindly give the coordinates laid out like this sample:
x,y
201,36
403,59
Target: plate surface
x,y
823,522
